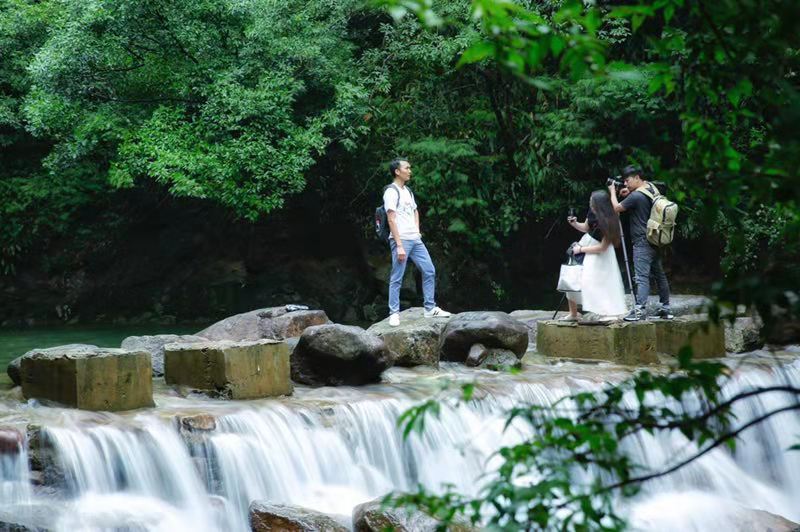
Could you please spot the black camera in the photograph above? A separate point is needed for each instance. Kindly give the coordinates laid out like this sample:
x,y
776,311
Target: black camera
x,y
616,181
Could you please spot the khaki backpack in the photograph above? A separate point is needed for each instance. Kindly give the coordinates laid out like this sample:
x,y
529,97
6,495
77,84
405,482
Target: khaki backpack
x,y
661,225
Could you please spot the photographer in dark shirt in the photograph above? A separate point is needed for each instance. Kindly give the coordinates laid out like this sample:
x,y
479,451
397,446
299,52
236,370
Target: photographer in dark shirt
x,y
645,255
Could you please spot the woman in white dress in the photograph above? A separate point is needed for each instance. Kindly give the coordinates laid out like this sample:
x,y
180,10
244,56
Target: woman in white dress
x,y
601,283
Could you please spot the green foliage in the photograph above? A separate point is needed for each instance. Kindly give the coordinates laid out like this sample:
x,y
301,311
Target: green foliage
x,y
726,70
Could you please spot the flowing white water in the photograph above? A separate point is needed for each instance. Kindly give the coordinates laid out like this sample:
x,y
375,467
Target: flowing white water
x,y
331,449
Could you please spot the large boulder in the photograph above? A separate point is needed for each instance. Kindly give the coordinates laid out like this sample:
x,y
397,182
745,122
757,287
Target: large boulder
x,y
267,517
622,342
373,516
531,319
415,342
15,366
233,370
13,371
155,346
743,335
274,323
88,377
492,329
336,354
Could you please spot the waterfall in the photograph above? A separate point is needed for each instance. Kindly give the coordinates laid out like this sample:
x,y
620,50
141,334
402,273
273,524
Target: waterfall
x,y
331,449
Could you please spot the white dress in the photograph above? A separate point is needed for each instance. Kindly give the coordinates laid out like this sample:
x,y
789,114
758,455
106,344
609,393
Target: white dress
x,y
601,282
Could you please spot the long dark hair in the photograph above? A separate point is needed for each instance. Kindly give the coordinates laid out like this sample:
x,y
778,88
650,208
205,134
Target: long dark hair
x,y
607,217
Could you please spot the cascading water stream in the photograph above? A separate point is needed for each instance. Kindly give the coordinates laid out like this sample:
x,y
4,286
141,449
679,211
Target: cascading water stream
x,y
330,450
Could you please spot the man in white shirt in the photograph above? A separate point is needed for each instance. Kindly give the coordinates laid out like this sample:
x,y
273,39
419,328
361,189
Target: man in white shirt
x,y
406,243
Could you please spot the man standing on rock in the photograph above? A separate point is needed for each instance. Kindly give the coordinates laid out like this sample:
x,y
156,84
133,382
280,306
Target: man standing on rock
x,y
406,243
645,255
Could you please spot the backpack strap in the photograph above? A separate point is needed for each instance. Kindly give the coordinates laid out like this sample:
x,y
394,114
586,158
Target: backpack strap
x,y
398,193
651,195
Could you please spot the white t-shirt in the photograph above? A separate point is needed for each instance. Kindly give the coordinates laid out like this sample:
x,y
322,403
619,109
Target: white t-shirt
x,y
405,218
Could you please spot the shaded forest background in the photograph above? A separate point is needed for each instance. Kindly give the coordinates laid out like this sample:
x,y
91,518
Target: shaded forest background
x,y
174,160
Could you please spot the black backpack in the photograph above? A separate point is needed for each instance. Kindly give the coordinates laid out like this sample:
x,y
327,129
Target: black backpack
x,y
381,219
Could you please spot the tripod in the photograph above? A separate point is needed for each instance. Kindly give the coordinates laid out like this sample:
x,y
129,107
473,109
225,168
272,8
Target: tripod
x,y
627,266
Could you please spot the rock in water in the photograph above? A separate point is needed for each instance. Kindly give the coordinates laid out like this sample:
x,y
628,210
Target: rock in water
x,y
373,517
266,517
88,377
743,335
336,354
13,371
233,370
492,329
155,346
274,323
416,341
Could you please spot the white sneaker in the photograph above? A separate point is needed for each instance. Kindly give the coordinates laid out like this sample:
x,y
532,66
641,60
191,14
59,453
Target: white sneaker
x,y
394,319
436,312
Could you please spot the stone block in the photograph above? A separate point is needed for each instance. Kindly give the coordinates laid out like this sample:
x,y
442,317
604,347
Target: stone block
x,y
233,370
621,342
706,340
743,335
87,377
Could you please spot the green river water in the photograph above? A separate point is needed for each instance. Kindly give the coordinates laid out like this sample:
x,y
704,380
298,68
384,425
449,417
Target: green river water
x,y
14,343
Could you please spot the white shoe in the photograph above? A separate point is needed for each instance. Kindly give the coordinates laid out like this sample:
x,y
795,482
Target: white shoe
x,y
436,312
394,319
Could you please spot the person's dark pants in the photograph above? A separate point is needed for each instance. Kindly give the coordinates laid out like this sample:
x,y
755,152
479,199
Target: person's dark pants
x,y
646,262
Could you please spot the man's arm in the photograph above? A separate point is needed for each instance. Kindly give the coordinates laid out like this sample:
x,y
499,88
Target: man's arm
x,y
401,252
416,218
612,191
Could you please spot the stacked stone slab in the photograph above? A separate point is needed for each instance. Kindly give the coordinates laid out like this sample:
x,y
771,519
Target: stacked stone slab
x,y
621,342
706,339
232,370
88,377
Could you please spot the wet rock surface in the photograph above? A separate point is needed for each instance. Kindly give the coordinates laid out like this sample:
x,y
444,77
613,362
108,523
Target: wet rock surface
x,y
743,335
492,329
274,323
267,517
336,354
372,516
155,346
481,356
415,342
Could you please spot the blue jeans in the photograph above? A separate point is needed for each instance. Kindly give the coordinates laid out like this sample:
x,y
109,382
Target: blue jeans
x,y
417,253
645,262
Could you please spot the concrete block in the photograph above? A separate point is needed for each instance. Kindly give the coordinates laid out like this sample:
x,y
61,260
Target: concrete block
x,y
707,340
620,342
88,377
234,370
